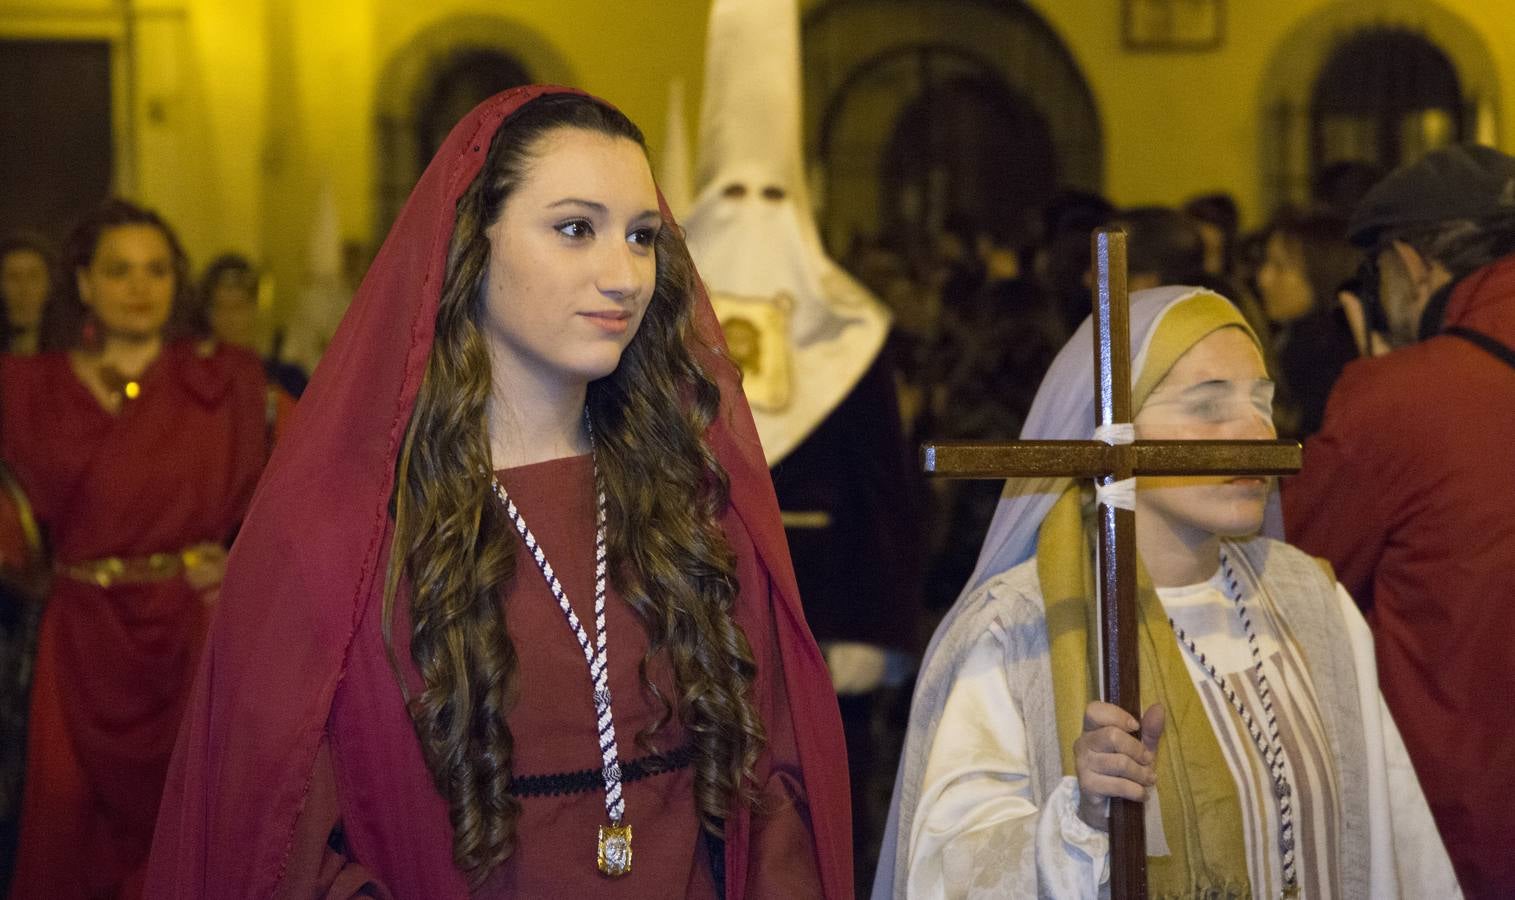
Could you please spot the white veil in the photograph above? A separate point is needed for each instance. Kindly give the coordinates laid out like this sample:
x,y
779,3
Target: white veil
x,y
1064,410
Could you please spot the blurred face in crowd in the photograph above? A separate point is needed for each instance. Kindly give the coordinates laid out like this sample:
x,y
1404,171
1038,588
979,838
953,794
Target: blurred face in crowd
x,y
1285,287
24,285
1214,238
572,264
1218,390
233,309
129,284
1406,281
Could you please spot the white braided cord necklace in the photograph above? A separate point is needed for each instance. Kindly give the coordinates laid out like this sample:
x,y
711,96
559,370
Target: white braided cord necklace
x,y
1268,742
613,855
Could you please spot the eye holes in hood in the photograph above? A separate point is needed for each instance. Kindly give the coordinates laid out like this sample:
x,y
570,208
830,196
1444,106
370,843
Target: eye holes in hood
x,y
737,190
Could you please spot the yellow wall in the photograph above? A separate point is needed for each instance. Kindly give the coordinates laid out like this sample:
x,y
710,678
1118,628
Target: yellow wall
x,y
1177,124
345,53
236,115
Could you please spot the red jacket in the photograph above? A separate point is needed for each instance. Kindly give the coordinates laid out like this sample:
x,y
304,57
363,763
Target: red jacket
x,y
1408,491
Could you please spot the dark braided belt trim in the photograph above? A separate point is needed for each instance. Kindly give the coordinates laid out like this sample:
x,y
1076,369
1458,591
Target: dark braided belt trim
x,y
591,780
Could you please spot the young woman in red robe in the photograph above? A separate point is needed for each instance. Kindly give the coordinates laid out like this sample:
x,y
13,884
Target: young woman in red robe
x,y
139,454
395,701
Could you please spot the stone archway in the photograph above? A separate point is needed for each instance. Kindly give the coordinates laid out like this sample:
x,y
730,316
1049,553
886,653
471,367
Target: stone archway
x,y
945,158
1291,144
468,78
1386,95
434,80
924,112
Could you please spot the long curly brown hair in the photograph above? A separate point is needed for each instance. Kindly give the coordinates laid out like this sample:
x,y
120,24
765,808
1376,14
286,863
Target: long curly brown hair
x,y
454,549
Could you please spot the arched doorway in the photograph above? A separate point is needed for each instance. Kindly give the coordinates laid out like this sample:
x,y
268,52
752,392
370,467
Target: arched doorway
x,y
945,160
1381,82
470,77
434,80
1386,95
926,113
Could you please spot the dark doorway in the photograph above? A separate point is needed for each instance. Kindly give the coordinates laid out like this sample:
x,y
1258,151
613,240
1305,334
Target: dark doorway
x,y
925,113
56,152
968,150
468,79
429,90
1386,96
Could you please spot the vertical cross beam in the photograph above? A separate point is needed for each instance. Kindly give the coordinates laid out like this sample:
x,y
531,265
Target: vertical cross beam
x,y
1117,543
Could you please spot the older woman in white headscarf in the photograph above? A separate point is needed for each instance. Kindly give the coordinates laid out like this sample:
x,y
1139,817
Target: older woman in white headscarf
x,y
1266,759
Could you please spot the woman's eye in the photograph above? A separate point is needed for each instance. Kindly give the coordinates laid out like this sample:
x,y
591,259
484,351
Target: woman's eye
x,y
577,229
645,237
1208,411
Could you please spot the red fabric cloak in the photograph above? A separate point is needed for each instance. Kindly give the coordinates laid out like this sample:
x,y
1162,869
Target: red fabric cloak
x,y
310,562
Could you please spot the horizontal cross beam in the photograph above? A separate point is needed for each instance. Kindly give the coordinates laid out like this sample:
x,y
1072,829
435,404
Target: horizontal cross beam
x,y
1089,459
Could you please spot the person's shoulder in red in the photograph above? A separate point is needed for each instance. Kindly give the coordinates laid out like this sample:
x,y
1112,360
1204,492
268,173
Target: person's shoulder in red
x,y
25,385
1401,390
209,368
33,369
238,362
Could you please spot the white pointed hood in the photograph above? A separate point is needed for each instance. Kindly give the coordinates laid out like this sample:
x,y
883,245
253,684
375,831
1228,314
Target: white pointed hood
x,y
803,330
674,169
324,294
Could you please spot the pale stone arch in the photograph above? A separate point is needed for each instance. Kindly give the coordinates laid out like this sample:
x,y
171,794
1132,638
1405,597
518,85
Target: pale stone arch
x,y
410,75
1290,77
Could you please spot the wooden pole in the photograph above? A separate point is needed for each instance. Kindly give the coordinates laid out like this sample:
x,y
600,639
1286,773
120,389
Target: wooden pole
x,y
1117,540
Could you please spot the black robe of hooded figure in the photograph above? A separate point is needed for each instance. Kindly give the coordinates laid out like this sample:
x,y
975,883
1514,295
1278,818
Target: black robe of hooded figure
x,y
851,498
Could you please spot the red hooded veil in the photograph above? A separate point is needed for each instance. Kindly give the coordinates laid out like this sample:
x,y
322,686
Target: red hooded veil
x,y
309,566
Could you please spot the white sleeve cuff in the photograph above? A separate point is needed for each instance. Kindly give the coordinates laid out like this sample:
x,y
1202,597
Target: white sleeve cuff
x,y
1070,855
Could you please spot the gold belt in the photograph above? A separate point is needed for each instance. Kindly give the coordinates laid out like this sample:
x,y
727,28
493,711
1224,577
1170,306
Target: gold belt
x,y
114,570
805,521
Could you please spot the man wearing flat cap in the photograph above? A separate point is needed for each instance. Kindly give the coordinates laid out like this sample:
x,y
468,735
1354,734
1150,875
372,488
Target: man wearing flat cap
x,y
1408,490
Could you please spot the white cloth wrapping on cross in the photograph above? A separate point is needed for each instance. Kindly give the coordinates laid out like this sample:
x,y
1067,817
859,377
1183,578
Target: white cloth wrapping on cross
x,y
1117,494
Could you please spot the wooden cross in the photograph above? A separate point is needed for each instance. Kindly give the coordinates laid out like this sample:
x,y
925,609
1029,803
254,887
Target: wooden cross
x,y
1107,464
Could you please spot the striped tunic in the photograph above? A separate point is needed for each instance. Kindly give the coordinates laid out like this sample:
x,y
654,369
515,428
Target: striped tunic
x,y
1209,618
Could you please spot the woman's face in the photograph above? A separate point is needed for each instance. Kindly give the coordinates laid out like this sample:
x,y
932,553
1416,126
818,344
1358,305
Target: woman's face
x,y
232,311
129,285
572,263
1286,292
1218,390
23,285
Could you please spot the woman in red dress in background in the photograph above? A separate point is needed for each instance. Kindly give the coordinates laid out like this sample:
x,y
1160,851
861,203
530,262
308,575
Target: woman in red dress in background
x,y
139,452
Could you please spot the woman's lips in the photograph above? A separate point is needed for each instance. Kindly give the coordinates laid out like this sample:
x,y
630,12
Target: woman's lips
x,y
610,321
1251,482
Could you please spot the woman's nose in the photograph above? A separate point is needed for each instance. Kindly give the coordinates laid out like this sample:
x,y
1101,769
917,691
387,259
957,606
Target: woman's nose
x,y
1255,427
623,273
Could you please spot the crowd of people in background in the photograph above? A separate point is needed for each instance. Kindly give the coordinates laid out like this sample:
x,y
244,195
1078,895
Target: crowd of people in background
x,y
110,341
980,316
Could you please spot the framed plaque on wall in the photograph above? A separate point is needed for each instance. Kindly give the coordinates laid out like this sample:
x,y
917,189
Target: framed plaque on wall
x,y
1172,25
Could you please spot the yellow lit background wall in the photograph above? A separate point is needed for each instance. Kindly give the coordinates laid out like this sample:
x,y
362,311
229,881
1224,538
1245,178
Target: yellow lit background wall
x,y
235,116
